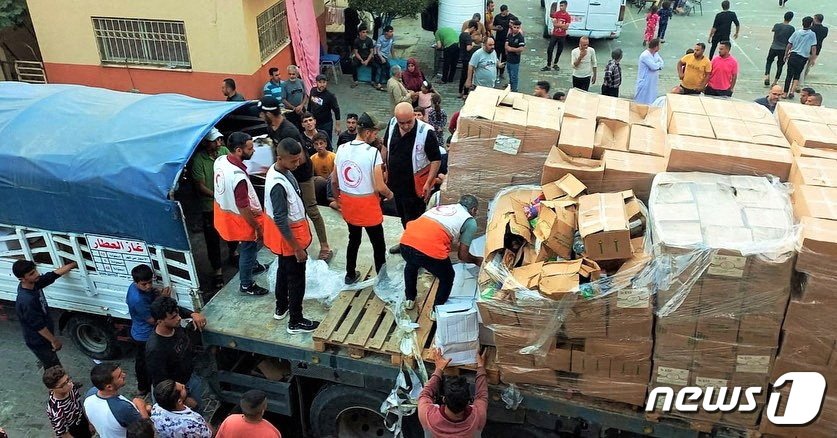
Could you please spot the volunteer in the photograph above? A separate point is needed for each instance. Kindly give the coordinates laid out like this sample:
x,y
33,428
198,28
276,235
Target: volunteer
x,y
287,234
358,183
426,243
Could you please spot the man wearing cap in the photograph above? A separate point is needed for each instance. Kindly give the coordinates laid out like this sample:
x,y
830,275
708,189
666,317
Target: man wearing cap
x,y
426,243
279,128
203,171
358,184
321,104
287,234
413,160
237,210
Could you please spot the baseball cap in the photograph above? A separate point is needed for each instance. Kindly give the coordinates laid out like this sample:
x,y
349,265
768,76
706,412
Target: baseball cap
x,y
213,135
322,77
365,121
268,103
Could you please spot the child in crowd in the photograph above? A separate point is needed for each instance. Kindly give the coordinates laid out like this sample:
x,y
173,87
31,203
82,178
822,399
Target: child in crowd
x,y
613,74
425,96
64,406
323,165
419,113
665,14
437,118
651,21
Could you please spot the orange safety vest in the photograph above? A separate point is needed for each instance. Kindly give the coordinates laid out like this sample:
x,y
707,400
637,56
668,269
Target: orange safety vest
x,y
359,202
228,221
298,221
433,233
421,165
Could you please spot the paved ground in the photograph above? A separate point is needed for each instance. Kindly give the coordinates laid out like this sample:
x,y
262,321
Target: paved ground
x,y
21,393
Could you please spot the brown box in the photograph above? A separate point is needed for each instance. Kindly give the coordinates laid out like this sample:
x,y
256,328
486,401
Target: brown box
x,y
577,362
767,133
588,171
558,358
759,330
813,172
811,134
509,340
813,201
694,125
612,108
627,171
787,111
614,389
625,351
647,140
730,129
556,227
543,122
814,318
630,314
720,328
509,122
528,375
645,115
586,319
714,355
750,359
727,158
667,373
577,137
799,151
610,135
678,103
719,107
818,241
753,112
603,225
807,348
581,104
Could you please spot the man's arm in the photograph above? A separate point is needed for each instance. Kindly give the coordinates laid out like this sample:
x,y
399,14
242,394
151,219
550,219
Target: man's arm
x,y
355,54
681,69
466,236
285,96
732,82
577,57
737,25
470,80
66,268
381,185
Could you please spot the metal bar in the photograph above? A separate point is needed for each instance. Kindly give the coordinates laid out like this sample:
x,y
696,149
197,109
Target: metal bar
x,y
79,256
24,244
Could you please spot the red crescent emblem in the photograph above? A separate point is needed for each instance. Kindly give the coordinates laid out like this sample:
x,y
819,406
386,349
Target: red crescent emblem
x,y
351,174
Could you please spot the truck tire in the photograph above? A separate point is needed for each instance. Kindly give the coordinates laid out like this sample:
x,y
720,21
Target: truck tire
x,y
339,410
93,336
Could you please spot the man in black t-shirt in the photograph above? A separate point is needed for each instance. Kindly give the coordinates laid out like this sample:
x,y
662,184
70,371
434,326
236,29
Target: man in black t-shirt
x,y
514,47
722,27
466,46
821,32
362,54
502,23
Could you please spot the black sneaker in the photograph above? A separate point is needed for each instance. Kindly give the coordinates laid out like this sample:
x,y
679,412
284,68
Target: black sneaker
x,y
259,268
253,289
395,249
349,279
302,326
279,314
547,68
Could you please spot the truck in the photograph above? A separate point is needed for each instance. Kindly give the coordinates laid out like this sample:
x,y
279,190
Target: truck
x,y
596,19
100,187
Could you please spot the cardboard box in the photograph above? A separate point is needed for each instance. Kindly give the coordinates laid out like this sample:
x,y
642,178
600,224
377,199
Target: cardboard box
x,y
670,374
558,278
612,135
807,348
577,137
586,319
558,358
604,227
625,351
799,151
588,171
509,122
818,243
627,171
457,332
753,112
509,341
645,115
612,108
754,360
556,228
691,124
719,107
678,103
614,389
528,375
568,185
813,172
787,111
630,314
718,328
580,104
647,140
730,129
767,133
543,124
811,134
759,330
689,154
715,355
813,201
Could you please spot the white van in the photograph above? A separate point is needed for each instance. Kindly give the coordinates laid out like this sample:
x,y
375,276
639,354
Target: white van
x,y
591,18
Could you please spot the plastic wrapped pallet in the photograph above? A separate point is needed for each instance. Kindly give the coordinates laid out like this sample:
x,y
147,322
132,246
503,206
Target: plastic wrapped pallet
x,y
724,247
567,324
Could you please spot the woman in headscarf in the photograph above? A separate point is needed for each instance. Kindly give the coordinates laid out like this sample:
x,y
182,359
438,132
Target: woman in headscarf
x,y
413,77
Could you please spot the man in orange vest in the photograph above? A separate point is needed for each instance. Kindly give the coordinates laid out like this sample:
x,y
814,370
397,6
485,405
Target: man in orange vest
x,y
426,243
238,212
287,234
413,160
358,184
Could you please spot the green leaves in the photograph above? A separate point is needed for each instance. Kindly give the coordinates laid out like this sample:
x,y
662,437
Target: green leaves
x,y
12,13
392,8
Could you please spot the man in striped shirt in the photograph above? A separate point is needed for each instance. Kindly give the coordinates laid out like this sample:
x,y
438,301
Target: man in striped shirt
x,y
64,405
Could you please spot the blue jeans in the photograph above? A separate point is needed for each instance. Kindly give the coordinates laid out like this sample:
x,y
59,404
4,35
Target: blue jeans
x,y
514,75
247,252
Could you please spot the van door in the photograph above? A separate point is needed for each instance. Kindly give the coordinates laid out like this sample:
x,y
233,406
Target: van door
x,y
603,15
578,10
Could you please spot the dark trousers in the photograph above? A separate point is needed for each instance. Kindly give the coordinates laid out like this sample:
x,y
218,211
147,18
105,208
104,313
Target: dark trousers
x,y
779,55
441,269
500,48
610,91
213,241
715,42
81,429
328,127
372,65
796,65
450,59
555,42
709,91
143,380
290,287
45,355
379,246
582,83
463,77
661,30
409,207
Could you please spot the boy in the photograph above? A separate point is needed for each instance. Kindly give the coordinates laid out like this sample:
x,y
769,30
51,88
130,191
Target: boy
x,y
141,293
613,74
64,406
323,162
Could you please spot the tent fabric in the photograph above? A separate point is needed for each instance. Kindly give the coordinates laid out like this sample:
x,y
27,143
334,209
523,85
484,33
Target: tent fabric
x,y
305,37
87,160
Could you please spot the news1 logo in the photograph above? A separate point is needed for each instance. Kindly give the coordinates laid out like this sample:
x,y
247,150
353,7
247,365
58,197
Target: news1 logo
x,y
803,404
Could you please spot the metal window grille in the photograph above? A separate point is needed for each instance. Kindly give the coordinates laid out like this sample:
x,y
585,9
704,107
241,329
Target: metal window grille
x,y
272,25
142,42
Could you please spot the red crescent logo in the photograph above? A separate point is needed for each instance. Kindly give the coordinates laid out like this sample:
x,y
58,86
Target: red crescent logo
x,y
351,173
446,210
219,182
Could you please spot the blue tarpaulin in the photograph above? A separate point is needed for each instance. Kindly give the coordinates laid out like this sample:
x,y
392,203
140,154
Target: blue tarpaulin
x,y
88,160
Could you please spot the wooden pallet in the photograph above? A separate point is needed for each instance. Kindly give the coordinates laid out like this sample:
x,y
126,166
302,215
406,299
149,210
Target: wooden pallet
x,y
362,323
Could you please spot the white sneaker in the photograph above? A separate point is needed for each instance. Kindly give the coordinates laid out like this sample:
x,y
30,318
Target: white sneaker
x,y
433,315
409,304
277,316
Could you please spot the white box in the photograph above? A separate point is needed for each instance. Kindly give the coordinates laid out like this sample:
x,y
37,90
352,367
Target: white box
x,y
457,332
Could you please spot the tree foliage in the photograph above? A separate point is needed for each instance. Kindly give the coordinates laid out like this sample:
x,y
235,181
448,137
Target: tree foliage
x,y
12,13
390,9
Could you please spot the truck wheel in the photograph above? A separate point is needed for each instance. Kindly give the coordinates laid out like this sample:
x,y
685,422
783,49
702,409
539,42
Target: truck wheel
x,y
344,411
93,336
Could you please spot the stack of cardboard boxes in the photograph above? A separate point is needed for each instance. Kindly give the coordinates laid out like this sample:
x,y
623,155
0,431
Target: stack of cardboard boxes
x,y
724,136
581,330
610,144
808,333
726,246
502,138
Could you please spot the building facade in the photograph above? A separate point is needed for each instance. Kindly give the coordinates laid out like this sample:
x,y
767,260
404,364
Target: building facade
x,y
161,46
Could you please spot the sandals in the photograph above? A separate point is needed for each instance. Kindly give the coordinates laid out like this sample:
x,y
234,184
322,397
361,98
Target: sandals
x,y
325,255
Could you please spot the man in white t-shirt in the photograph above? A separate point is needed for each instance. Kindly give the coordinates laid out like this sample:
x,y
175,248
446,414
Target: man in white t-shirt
x,y
109,412
584,65
172,418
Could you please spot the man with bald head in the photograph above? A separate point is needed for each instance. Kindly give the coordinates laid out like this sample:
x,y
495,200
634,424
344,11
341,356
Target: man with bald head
x,y
771,99
413,160
584,64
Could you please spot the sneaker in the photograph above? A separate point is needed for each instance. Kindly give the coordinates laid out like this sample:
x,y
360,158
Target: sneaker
x,y
395,249
259,268
547,68
433,315
349,279
279,315
409,304
555,67
302,326
253,289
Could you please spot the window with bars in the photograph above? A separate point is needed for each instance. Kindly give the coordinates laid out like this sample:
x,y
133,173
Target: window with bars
x,y
142,42
272,25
